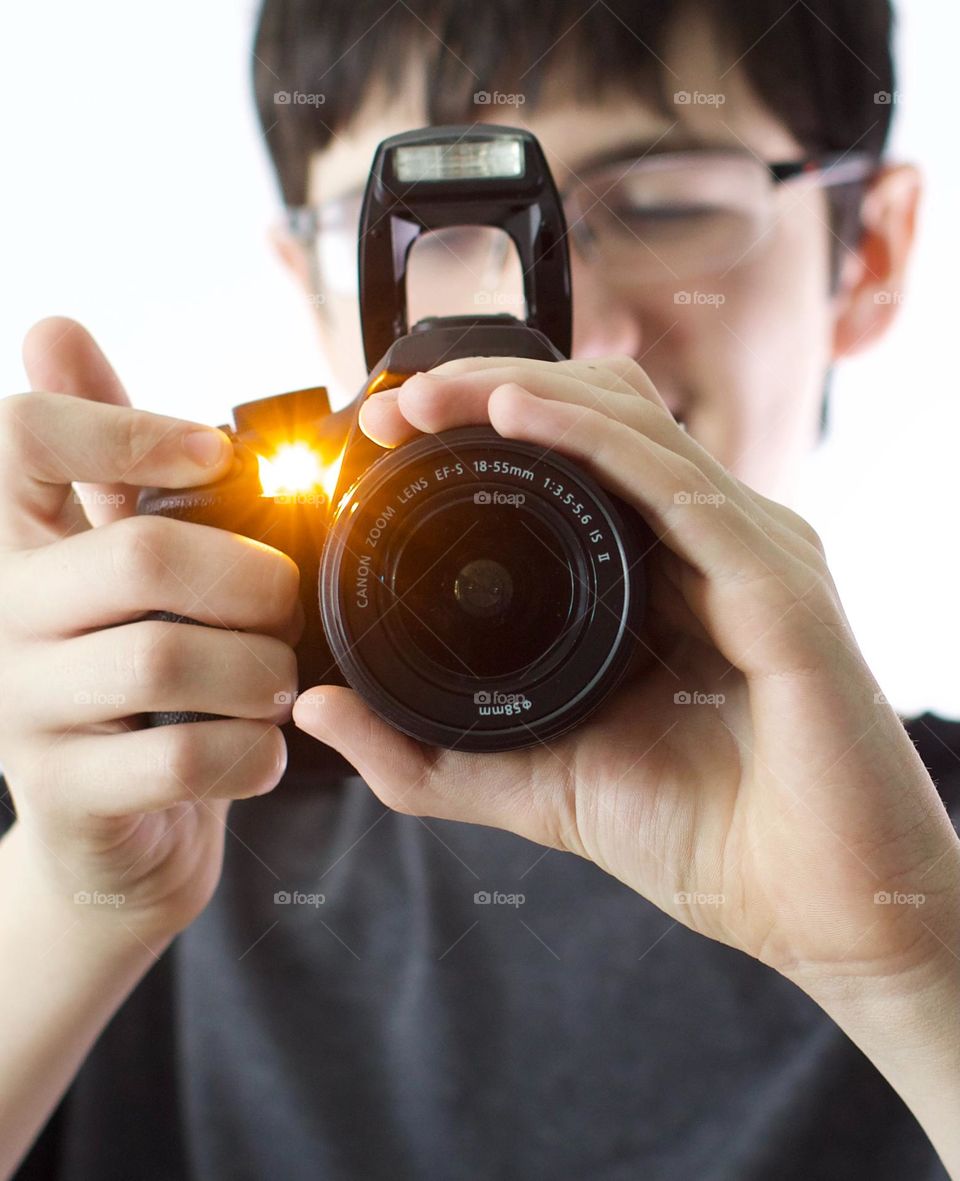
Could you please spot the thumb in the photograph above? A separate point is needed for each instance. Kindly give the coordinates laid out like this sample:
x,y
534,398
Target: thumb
x,y
514,790
394,765
61,357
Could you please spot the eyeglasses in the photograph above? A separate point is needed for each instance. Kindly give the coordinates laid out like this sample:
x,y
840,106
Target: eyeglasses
x,y
661,218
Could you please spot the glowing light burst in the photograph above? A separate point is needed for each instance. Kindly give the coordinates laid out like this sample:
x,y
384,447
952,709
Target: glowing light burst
x,y
296,469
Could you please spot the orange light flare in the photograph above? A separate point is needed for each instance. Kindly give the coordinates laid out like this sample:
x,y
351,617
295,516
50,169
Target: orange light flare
x,y
298,471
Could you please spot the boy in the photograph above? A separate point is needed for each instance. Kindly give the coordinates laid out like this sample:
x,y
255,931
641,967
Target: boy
x,y
390,1023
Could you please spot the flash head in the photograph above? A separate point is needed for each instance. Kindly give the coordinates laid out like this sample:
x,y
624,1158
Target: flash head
x,y
435,177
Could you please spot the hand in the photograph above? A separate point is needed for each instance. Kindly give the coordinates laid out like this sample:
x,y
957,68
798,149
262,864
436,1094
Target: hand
x,y
769,807
103,805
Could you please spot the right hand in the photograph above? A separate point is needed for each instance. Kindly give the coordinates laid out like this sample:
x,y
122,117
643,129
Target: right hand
x,y
102,803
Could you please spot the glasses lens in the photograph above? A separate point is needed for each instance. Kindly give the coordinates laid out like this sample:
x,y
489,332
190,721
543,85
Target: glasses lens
x,y
663,219
463,271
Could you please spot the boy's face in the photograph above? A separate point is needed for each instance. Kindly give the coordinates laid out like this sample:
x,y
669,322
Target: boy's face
x,y
739,355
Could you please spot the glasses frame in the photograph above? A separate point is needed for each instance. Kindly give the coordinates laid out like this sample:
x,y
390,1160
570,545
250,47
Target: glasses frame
x,y
828,170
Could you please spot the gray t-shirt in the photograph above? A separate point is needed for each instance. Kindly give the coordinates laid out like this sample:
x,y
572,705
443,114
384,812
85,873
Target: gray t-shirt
x,y
399,1028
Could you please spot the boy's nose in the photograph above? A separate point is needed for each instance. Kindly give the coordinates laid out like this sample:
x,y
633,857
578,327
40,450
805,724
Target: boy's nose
x,y
604,323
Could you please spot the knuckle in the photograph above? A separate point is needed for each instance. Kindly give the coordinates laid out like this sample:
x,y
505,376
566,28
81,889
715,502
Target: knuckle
x,y
134,437
184,758
155,657
285,585
282,659
516,374
17,414
808,533
270,667
628,370
456,367
140,548
789,519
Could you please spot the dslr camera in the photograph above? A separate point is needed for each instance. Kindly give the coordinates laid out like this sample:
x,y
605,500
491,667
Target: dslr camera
x,y
478,592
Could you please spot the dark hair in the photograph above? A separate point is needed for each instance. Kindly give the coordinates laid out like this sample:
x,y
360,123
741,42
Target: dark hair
x,y
818,65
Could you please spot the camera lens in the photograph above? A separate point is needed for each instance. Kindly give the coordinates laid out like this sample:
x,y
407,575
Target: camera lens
x,y
481,593
468,581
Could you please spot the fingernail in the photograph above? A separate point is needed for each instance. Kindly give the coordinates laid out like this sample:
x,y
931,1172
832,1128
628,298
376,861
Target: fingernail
x,y
382,396
206,447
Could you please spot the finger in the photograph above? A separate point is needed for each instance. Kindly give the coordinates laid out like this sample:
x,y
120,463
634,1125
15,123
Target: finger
x,y
61,356
508,791
148,770
121,571
156,666
616,372
428,403
48,441
759,602
442,399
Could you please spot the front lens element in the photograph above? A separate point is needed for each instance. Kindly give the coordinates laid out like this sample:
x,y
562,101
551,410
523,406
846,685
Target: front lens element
x,y
480,593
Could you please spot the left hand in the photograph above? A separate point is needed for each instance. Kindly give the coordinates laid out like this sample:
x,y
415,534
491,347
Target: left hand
x,y
769,821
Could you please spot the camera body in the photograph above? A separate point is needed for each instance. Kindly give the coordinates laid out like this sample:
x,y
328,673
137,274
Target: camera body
x,y
479,592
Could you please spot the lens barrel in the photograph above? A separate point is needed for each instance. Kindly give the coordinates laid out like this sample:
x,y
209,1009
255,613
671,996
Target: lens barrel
x,y
482,593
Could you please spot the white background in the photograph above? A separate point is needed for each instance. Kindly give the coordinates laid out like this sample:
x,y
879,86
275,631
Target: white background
x,y
135,197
